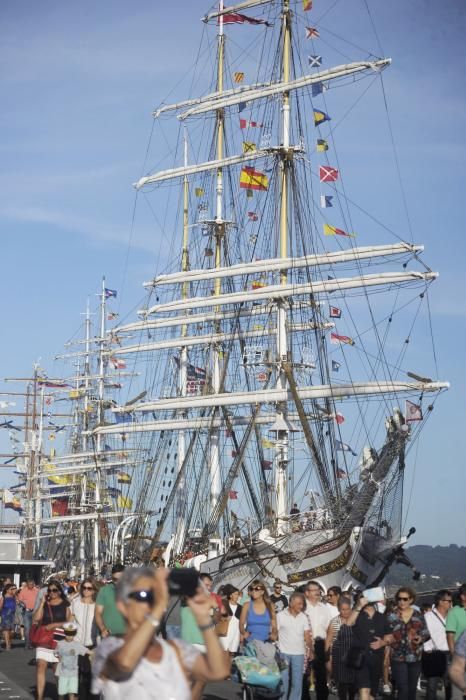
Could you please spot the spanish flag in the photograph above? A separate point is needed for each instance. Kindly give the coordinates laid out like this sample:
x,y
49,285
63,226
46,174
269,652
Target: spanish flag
x,y
252,179
334,231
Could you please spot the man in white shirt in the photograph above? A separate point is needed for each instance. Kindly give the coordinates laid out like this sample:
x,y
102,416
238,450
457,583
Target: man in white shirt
x,y
294,640
436,620
319,615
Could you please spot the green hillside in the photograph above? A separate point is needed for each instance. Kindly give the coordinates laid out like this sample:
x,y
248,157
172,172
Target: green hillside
x,y
440,567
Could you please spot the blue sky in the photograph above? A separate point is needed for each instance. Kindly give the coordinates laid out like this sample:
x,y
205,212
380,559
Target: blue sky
x,y
78,84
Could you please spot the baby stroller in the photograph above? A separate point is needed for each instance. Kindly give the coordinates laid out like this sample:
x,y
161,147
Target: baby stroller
x,y
260,678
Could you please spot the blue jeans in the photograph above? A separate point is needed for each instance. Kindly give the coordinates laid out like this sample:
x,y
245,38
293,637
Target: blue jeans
x,y
292,677
405,676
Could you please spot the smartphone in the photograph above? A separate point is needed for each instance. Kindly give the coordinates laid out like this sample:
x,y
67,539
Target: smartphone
x,y
374,595
183,582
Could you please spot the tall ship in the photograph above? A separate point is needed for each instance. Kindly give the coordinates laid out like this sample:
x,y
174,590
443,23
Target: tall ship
x,y
278,373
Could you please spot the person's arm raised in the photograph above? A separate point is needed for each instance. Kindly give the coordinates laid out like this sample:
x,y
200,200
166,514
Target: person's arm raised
x,y
124,660
215,664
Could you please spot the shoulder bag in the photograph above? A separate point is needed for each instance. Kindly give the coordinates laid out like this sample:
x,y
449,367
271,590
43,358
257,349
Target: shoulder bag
x,y
40,636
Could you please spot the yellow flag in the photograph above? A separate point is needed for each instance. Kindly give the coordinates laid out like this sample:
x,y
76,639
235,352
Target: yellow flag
x,y
249,147
268,444
124,502
199,191
238,77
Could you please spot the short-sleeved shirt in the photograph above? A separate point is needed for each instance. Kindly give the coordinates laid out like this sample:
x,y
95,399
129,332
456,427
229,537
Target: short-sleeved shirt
x,y
291,629
456,621
366,629
190,631
113,619
280,602
28,596
404,648
460,646
151,681
68,653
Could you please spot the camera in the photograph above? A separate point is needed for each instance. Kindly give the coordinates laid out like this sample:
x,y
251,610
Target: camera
x,y
183,582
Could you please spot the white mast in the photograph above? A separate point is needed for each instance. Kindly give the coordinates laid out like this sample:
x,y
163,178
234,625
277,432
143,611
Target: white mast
x,y
100,416
282,433
180,512
219,231
84,446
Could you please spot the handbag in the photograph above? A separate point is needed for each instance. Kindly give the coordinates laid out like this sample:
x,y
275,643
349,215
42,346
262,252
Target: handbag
x,y
221,628
40,636
355,658
434,663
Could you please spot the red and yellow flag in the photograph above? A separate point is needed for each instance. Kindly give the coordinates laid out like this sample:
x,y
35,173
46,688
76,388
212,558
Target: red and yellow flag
x,y
253,179
307,5
334,231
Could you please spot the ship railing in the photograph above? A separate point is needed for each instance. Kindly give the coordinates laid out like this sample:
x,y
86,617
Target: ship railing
x,y
307,521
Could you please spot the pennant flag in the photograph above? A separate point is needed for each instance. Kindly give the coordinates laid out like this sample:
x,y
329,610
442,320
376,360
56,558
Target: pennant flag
x,y
118,363
307,5
335,312
111,316
413,412
314,61
266,464
253,179
123,478
52,383
341,339
341,474
321,145
110,293
317,89
249,147
242,106
245,123
340,418
326,201
238,77
252,216
328,174
237,18
199,191
343,447
312,33
268,444
320,117
233,495
334,231
125,503
258,284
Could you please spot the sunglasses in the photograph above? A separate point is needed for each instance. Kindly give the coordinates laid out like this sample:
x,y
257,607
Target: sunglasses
x,y
53,590
256,588
401,598
446,600
88,588
142,597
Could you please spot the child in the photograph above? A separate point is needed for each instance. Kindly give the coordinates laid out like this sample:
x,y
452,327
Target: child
x,y
67,652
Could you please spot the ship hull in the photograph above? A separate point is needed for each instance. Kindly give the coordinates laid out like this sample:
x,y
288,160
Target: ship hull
x,y
351,560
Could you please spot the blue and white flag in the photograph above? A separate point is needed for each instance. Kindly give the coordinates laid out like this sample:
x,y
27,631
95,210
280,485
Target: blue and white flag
x,y
110,293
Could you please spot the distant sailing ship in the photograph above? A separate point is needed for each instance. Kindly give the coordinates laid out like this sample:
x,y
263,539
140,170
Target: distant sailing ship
x,y
269,364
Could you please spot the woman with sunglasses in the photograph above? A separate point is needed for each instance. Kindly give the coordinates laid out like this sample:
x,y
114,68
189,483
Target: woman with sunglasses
x,y
53,611
258,619
7,612
142,665
82,611
409,634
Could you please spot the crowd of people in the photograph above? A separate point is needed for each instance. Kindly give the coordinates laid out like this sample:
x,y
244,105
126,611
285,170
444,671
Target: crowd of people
x,y
117,639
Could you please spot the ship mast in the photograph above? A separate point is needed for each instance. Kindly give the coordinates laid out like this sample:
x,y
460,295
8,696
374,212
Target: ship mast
x,y
280,426
180,511
219,232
